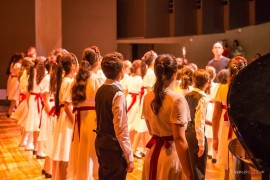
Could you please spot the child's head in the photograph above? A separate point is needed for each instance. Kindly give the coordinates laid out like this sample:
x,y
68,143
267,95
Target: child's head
x,y
67,61
200,78
149,57
235,65
127,66
165,68
185,75
26,64
91,55
222,76
212,72
138,68
112,65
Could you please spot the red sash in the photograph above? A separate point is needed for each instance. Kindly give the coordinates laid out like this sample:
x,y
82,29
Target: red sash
x,y
78,110
142,93
42,103
38,99
53,112
226,118
159,141
134,98
22,97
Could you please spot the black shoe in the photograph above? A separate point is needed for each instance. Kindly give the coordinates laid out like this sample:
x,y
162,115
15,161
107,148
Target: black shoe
x,y
43,171
40,157
214,160
209,156
48,175
34,152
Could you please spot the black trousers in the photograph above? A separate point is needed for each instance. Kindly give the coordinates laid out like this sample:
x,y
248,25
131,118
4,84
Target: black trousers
x,y
112,163
198,164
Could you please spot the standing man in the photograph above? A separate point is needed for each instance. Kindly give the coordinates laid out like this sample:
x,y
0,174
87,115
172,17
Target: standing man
x,y
219,62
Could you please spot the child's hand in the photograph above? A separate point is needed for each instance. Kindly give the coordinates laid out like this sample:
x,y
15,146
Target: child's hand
x,y
200,153
130,167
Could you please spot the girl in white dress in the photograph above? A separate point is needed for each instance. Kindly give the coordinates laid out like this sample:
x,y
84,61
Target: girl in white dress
x,y
148,82
64,127
45,89
166,114
21,112
34,105
134,100
211,92
49,111
222,131
83,163
13,91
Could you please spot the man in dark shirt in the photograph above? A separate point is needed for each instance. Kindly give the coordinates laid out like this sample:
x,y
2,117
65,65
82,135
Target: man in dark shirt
x,y
219,62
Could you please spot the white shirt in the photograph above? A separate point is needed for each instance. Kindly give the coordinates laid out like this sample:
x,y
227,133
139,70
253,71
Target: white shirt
x,y
200,116
120,120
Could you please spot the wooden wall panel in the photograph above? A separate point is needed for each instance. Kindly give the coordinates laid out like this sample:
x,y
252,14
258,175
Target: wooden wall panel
x,y
17,27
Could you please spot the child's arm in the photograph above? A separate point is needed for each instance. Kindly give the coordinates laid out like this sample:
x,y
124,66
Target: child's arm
x,y
121,127
200,117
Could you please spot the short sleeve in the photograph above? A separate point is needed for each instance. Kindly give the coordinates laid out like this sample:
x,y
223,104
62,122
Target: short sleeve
x,y
218,95
179,113
45,84
65,91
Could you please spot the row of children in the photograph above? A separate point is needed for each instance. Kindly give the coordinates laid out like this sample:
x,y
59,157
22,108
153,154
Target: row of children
x,y
62,103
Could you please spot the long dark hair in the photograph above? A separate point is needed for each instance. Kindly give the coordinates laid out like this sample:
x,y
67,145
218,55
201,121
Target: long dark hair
x,y
64,65
165,67
14,59
90,57
40,74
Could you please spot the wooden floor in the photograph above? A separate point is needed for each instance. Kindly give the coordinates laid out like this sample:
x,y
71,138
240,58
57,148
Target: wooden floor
x,y
15,163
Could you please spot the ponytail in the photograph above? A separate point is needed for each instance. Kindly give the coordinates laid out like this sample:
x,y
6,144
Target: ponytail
x,y
79,88
165,67
31,78
58,85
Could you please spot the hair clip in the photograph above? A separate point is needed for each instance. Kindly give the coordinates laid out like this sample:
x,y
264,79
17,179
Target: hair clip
x,y
95,48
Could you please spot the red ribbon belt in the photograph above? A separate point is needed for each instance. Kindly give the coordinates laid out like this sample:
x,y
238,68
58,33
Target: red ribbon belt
x,y
159,141
53,112
226,118
134,98
38,99
78,116
42,103
142,93
22,97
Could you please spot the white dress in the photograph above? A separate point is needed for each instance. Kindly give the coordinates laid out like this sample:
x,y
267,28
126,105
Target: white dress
x,y
45,87
83,162
52,119
210,109
134,86
21,112
13,90
174,110
124,82
34,108
64,127
148,81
